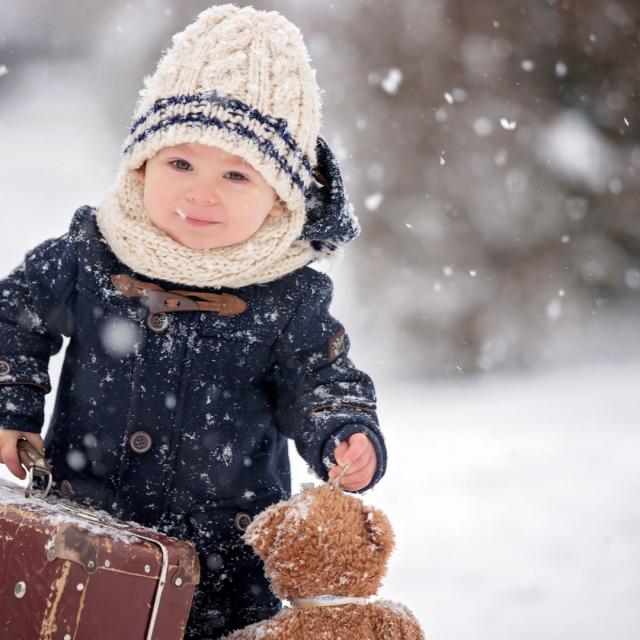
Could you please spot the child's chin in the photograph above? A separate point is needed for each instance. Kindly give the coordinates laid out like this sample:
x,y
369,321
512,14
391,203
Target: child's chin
x,y
200,244
191,241
208,243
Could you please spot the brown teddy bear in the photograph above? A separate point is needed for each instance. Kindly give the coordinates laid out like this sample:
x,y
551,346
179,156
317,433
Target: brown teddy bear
x,y
326,552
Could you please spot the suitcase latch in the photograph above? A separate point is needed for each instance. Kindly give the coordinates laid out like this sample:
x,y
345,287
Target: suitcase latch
x,y
77,545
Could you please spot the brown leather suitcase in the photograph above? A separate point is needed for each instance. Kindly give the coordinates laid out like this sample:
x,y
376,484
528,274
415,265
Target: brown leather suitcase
x,y
68,573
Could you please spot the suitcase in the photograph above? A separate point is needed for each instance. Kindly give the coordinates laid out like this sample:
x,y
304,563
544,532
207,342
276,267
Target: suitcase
x,y
69,573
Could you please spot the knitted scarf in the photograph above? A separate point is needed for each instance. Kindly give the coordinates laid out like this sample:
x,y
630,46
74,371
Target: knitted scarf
x,y
270,253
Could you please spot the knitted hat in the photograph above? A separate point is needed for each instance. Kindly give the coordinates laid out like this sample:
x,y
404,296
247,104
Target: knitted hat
x,y
238,79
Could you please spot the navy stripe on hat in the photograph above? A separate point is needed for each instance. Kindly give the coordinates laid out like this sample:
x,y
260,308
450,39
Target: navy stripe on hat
x,y
234,107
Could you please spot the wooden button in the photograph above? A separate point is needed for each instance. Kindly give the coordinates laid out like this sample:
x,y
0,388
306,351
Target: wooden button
x,y
5,368
242,521
140,441
157,321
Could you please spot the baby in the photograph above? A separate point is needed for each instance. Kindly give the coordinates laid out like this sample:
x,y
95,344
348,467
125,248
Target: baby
x,y
200,339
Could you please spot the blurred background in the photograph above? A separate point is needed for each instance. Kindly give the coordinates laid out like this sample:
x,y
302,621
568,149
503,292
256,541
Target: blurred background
x,y
492,153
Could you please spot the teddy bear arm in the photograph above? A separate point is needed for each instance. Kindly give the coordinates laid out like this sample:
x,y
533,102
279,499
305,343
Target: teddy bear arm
x,y
395,622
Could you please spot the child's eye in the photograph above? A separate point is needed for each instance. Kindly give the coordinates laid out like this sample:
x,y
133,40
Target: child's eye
x,y
182,165
235,176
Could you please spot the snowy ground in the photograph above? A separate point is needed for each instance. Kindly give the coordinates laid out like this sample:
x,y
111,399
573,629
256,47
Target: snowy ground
x,y
513,498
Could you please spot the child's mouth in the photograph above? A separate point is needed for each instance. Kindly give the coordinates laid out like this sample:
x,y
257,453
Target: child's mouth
x,y
194,221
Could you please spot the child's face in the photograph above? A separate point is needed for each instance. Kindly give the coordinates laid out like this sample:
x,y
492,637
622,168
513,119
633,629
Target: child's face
x,y
204,197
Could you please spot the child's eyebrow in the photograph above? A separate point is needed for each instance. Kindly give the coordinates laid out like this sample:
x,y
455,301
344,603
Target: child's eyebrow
x,y
231,159
236,161
243,163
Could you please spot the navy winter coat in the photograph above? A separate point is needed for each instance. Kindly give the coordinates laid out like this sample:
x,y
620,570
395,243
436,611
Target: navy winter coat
x,y
181,420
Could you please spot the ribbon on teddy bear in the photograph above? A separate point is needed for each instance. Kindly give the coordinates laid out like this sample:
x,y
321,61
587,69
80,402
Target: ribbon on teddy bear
x,y
328,601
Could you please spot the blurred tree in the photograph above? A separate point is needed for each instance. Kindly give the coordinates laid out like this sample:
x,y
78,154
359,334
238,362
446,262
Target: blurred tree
x,y
499,181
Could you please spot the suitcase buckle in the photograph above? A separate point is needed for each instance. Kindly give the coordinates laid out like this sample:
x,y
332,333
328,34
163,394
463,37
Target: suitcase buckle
x,y
33,460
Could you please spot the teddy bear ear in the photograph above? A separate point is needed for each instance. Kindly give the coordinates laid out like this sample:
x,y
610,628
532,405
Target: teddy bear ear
x,y
379,530
261,533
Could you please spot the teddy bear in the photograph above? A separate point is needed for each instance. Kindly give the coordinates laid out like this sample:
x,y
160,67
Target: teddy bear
x,y
325,552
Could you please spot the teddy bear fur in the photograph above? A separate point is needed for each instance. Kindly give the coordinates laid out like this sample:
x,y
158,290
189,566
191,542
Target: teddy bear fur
x,y
324,542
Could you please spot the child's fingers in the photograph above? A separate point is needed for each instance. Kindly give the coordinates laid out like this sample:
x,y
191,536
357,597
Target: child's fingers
x,y
365,461
358,453
357,445
340,451
362,460
358,479
357,474
9,450
35,440
9,456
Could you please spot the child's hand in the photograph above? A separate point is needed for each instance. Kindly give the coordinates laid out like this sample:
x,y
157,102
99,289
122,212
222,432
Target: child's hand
x,y
9,449
359,453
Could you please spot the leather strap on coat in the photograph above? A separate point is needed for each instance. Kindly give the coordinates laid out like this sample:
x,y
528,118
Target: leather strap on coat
x,y
161,301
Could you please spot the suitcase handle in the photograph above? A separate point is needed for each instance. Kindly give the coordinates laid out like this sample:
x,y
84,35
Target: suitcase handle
x,y
33,460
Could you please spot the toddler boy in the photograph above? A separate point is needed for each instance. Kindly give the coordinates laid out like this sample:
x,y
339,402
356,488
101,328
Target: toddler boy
x,y
199,337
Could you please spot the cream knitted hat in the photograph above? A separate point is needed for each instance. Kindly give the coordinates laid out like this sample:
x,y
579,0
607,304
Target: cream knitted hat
x,y
239,79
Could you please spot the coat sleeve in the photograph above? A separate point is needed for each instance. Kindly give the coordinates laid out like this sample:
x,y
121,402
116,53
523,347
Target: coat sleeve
x,y
322,398
34,315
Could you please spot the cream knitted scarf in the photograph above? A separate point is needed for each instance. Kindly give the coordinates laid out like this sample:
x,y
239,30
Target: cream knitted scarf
x,y
270,253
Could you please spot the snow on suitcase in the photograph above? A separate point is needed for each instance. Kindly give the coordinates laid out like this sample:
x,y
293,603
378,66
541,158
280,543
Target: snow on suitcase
x,y
68,573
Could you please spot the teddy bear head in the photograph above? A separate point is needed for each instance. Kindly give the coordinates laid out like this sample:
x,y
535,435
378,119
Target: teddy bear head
x,y
322,541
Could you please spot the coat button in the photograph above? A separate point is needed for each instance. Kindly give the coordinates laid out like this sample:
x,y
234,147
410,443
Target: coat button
x,y
66,489
242,521
140,441
5,368
157,321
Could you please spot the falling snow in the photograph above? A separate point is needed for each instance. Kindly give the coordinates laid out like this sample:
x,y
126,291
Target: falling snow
x,y
391,82
373,201
510,125
561,69
482,126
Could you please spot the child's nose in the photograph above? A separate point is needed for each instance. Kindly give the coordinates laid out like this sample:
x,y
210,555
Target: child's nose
x,y
201,195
